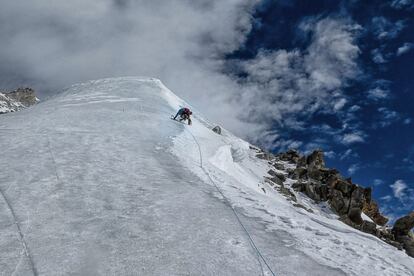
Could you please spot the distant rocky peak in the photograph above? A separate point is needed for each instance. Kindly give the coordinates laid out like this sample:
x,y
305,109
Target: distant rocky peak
x,y
17,99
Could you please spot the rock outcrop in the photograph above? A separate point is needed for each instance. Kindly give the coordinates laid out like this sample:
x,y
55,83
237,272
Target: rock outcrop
x,y
349,200
217,129
402,232
17,99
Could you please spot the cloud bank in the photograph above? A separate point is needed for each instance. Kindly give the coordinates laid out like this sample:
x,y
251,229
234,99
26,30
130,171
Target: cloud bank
x,y
184,43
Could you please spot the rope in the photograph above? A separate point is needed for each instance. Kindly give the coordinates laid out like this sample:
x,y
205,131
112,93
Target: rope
x,y
229,204
21,237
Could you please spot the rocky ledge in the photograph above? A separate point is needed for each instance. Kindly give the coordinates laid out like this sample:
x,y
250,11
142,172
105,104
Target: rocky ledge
x,y
17,99
308,175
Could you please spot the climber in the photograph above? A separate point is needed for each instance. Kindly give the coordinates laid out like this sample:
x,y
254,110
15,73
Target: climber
x,y
185,114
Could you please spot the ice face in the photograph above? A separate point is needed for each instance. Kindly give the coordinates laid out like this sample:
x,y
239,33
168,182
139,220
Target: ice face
x,y
100,181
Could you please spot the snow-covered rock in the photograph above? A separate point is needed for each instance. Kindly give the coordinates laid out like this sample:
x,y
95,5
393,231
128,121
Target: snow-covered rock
x,y
99,181
17,99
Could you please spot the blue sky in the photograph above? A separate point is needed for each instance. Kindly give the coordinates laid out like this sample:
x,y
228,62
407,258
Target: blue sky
x,y
335,75
376,146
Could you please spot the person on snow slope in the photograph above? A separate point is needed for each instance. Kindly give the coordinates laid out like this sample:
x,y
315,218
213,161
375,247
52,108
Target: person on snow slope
x,y
184,114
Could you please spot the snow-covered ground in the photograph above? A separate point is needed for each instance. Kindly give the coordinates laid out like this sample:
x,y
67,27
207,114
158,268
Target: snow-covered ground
x,y
9,105
99,181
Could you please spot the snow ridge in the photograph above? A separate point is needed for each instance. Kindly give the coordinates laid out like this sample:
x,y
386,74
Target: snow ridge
x,y
137,195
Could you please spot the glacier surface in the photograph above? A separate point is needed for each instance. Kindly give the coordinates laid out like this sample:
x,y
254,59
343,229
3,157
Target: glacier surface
x,y
99,181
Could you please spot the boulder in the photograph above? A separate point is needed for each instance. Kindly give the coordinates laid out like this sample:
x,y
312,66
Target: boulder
x,y
217,129
312,191
354,215
369,227
338,202
299,186
282,177
279,166
407,243
357,198
343,186
265,156
289,156
403,225
301,162
372,211
300,173
315,160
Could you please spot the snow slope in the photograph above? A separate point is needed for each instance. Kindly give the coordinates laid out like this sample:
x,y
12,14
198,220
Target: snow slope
x,y
9,105
99,181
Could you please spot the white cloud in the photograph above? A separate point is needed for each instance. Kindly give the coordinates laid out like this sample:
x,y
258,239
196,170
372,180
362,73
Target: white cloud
x,y
399,189
407,121
377,56
385,29
354,108
340,104
348,154
378,93
386,198
289,84
387,117
402,4
184,43
351,138
353,168
405,48
378,182
330,154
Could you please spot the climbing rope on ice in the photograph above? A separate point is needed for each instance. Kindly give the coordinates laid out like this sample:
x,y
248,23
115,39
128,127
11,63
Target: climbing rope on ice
x,y
19,231
229,204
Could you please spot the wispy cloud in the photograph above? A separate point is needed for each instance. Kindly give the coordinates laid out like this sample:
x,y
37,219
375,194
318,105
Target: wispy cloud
x,y
353,168
387,117
294,84
348,154
399,189
378,182
378,93
384,29
352,138
402,4
405,48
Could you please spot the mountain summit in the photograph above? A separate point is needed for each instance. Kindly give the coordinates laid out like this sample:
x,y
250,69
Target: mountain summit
x,y
100,181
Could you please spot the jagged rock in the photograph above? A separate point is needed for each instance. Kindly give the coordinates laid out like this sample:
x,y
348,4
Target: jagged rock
x,y
279,166
289,156
315,160
217,129
354,215
347,199
369,227
338,202
357,198
299,173
275,180
299,186
343,186
282,177
302,162
265,156
312,191
403,225
407,243
26,96
371,210
286,192
16,100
